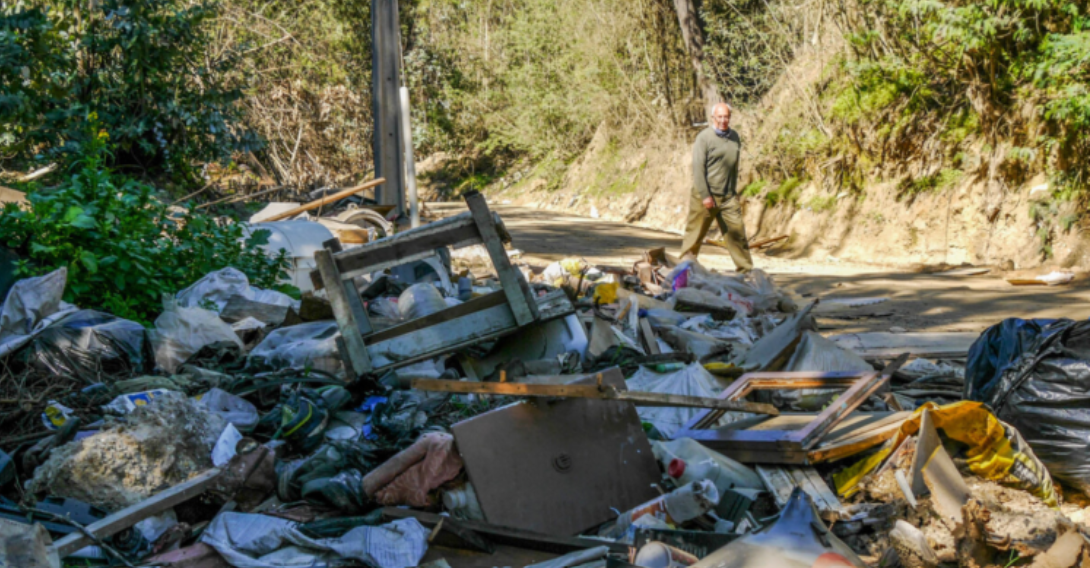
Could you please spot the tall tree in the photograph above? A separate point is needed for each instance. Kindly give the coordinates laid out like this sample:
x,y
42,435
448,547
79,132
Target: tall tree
x,y
692,33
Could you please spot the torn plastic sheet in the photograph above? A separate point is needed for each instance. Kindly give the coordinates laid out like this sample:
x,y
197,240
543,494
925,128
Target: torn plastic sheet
x,y
31,306
814,353
216,288
312,345
693,380
182,331
259,541
87,343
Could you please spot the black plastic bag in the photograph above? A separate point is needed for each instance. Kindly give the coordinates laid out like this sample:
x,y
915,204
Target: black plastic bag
x,y
87,343
997,348
1046,395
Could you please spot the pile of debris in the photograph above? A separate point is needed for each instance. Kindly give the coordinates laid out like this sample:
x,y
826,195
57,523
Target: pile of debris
x,y
428,406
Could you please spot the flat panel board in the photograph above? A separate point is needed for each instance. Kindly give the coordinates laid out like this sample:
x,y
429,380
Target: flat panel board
x,y
558,468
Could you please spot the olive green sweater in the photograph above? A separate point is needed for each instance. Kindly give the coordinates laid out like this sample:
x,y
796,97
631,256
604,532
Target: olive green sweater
x,y
715,163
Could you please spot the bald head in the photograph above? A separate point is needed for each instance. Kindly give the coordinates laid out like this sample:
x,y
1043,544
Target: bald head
x,y
721,116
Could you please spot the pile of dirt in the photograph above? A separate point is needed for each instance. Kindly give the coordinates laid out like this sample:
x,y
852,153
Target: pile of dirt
x,y
156,447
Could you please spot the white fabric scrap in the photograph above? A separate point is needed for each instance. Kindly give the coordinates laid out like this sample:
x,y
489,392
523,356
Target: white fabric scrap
x,y
259,541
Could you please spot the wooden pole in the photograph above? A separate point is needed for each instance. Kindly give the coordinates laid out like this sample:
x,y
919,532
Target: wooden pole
x,y
327,199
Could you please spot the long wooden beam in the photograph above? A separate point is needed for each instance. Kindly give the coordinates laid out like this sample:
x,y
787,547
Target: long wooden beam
x,y
324,200
133,514
602,392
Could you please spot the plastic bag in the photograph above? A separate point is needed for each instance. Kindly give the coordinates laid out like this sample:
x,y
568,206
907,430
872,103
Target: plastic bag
x,y
994,450
815,353
997,348
129,402
693,380
1045,394
29,306
301,346
180,332
420,300
234,409
218,287
85,343
384,307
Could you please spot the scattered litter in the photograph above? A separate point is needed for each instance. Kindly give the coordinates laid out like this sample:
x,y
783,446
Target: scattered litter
x,y
1054,278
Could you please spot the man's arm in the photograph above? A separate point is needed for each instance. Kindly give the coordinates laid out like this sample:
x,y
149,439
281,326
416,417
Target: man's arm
x,y
700,174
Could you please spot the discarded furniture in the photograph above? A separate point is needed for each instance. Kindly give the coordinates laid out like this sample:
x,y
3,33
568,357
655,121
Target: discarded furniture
x,y
601,390
786,446
368,352
558,468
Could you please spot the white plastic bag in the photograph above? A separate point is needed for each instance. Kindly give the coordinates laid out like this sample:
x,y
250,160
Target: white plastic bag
x,y
693,380
312,345
180,332
234,409
420,300
31,305
216,288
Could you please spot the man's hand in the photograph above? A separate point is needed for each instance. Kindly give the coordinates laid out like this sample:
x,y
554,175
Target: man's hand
x,y
709,202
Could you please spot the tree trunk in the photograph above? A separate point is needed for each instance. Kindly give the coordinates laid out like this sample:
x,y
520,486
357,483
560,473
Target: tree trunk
x,y
693,36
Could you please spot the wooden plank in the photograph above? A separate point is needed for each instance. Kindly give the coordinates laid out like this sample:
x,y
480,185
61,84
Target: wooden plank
x,y
342,311
453,334
514,285
853,446
781,481
131,515
884,344
509,536
648,336
325,200
590,391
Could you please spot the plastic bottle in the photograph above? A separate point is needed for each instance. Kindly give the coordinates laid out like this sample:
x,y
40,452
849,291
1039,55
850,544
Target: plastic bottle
x,y
685,472
465,289
680,505
667,367
462,503
726,473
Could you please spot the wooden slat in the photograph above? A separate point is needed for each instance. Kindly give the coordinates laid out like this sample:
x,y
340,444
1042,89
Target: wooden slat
x,y
514,285
781,481
344,314
325,200
129,516
590,391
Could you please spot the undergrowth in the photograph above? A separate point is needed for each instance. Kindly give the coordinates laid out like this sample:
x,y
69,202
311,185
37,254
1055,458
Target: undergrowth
x,y
123,248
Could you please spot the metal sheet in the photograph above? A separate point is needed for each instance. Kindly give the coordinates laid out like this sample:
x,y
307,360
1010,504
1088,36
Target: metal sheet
x,y
558,467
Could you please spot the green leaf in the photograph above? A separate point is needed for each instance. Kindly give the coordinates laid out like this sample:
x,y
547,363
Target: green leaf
x,y
89,261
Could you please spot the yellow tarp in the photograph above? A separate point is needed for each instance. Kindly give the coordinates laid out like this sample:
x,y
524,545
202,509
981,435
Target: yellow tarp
x,y
991,453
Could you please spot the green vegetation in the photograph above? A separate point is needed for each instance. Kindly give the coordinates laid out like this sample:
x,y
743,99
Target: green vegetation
x,y
143,66
786,193
754,188
944,179
822,204
122,247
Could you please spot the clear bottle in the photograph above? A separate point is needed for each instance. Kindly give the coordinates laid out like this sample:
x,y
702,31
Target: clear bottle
x,y
461,502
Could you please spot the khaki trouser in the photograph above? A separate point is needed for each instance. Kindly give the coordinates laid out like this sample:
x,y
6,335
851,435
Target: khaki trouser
x,y
728,214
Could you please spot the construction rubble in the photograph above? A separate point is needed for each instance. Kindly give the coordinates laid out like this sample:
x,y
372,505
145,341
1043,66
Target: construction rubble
x,y
433,401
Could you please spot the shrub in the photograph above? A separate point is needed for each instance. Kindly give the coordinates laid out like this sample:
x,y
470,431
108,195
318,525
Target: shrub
x,y
143,65
123,248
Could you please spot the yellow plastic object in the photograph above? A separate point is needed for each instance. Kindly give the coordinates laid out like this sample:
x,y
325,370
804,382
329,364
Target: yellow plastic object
x,y
995,450
605,293
721,369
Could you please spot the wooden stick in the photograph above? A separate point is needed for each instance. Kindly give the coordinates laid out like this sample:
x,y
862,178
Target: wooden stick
x,y
592,391
327,199
234,198
764,242
129,516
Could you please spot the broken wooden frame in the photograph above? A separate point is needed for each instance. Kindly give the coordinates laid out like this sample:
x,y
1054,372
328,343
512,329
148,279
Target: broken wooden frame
x,y
785,446
368,352
599,391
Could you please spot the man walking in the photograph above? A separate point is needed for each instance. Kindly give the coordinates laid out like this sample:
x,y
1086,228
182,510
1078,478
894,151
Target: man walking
x,y
715,190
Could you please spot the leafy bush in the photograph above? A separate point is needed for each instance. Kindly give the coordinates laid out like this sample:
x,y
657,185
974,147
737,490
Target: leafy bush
x,y
787,192
123,248
143,65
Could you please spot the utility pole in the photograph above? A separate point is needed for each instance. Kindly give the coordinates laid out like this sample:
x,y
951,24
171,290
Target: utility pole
x,y
386,103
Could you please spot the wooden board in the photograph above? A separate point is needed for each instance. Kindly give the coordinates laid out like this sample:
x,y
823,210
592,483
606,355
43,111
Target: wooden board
x,y
782,480
558,468
883,344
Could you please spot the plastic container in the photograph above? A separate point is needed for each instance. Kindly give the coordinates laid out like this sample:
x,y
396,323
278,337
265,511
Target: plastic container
x,y
683,504
462,503
661,555
692,461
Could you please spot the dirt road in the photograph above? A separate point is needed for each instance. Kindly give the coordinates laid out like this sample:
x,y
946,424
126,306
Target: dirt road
x,y
918,300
